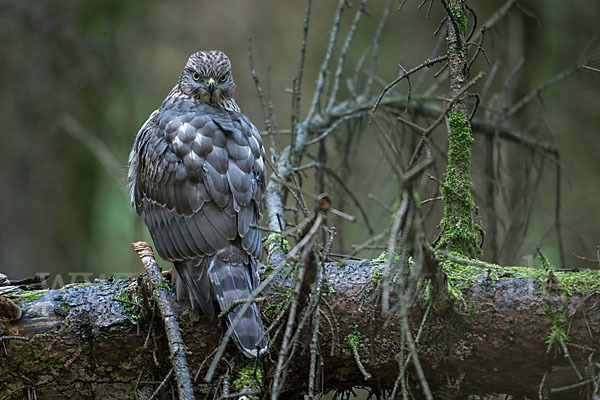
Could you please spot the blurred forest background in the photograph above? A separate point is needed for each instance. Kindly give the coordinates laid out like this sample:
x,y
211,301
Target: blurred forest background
x,y
79,79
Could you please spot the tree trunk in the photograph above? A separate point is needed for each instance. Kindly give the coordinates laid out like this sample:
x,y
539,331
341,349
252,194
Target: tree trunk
x,y
87,340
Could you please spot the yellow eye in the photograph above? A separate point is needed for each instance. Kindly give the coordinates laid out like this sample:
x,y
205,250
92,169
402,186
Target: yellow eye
x,y
196,76
222,78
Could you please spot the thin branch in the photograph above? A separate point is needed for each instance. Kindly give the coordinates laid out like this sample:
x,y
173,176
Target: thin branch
x,y
342,57
454,21
375,44
590,68
575,385
352,195
427,63
162,297
426,132
325,65
557,221
297,87
360,365
415,359
387,269
496,17
162,384
332,128
238,302
314,350
535,92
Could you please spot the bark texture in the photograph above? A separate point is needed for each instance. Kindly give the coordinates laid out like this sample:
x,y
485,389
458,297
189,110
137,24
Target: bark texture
x,y
87,341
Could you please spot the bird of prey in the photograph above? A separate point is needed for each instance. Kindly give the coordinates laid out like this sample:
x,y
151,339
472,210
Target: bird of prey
x,y
197,173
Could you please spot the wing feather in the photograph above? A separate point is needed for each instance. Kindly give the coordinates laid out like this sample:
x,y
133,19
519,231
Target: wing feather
x,y
196,173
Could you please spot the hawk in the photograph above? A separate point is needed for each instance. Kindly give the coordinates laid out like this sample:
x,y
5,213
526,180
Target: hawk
x,y
197,173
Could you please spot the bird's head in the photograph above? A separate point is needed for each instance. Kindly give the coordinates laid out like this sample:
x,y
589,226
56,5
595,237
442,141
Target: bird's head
x,y
207,76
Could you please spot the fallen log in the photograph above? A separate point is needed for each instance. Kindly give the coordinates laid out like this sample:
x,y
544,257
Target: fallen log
x,y
518,331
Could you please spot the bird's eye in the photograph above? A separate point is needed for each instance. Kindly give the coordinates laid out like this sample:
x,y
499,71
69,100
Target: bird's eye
x,y
196,76
222,78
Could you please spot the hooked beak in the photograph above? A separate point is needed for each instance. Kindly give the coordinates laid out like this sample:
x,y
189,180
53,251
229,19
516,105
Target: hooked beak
x,y
211,86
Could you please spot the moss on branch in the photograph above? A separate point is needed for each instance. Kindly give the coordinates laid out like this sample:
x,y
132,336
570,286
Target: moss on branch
x,y
460,225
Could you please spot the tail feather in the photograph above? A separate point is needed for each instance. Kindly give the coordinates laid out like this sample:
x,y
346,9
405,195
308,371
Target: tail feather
x,y
225,277
231,281
190,277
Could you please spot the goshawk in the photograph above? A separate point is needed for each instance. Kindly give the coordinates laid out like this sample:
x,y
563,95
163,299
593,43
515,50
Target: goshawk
x,y
196,173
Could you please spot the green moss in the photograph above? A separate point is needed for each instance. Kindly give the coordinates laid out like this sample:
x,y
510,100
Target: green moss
x,y
65,307
328,288
509,328
39,336
460,228
78,285
249,377
376,277
273,243
460,16
460,277
559,320
184,319
427,290
273,310
163,285
31,295
275,240
353,339
582,282
127,296
383,256
545,262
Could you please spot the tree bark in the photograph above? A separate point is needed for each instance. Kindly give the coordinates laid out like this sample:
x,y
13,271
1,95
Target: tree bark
x,y
87,340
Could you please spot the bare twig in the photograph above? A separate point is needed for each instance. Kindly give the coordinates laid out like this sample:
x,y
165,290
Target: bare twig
x,y
415,357
427,63
557,221
359,364
297,88
575,385
343,52
162,297
375,45
236,303
259,89
325,65
426,132
590,68
314,350
162,384
536,91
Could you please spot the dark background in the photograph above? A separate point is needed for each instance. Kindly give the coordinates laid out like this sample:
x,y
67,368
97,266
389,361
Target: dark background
x,y
79,79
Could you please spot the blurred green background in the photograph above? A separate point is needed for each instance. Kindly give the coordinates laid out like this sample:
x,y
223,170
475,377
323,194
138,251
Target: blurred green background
x,y
79,79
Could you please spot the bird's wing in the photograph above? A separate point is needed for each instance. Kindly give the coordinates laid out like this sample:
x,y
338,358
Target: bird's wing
x,y
197,174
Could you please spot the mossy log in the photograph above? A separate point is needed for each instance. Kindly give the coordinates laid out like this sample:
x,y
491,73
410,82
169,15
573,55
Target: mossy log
x,y
506,333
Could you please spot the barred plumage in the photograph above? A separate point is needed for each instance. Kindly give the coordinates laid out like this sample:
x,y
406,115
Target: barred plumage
x,y
197,173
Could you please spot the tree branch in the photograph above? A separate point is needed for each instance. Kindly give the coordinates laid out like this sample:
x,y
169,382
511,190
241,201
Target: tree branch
x,y
497,342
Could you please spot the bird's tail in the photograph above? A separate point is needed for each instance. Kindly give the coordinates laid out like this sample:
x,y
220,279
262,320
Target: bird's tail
x,y
225,277
231,280
191,277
